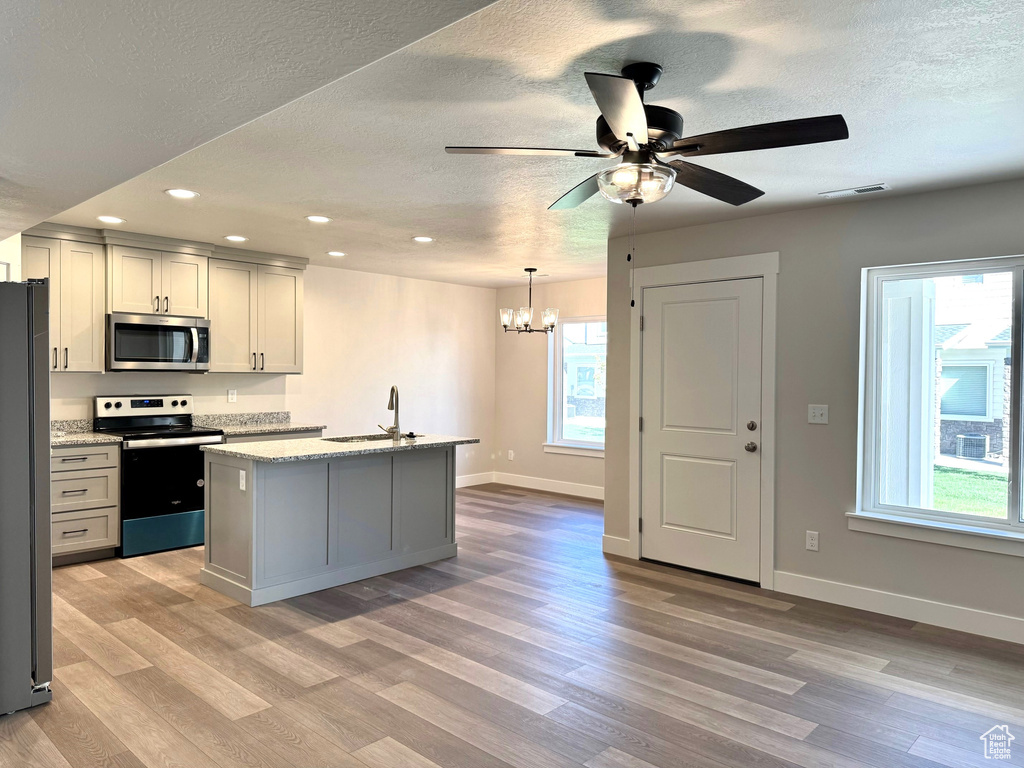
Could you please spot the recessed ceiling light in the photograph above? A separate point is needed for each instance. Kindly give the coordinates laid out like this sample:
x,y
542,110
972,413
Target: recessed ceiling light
x,y
182,194
318,219
423,239
335,253
235,238
110,219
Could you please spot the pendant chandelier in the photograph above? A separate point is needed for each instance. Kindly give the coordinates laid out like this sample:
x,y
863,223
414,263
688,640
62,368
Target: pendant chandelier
x,y
521,320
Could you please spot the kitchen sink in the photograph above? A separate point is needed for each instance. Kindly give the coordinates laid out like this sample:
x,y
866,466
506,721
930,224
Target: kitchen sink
x,y
358,438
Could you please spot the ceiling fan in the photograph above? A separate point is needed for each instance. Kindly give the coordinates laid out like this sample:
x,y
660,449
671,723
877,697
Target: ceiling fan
x,y
644,135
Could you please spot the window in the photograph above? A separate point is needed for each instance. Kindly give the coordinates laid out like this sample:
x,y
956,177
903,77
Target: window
x,y
577,392
941,393
964,391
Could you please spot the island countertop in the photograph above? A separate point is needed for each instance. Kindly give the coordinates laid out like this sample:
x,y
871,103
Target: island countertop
x,y
315,449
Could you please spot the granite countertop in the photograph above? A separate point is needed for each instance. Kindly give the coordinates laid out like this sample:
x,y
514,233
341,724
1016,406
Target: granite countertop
x,y
314,449
62,439
269,428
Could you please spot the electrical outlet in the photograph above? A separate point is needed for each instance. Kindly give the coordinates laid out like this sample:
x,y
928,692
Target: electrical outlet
x,y
511,455
232,395
241,479
812,541
817,414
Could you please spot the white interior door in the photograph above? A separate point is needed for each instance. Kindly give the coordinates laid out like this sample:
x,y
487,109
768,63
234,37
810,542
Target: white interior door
x,y
701,409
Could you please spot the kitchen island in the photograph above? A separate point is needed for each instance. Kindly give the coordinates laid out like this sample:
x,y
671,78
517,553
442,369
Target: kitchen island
x,y
288,517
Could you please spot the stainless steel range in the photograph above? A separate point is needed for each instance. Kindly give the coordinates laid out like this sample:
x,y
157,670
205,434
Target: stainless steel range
x,y
161,469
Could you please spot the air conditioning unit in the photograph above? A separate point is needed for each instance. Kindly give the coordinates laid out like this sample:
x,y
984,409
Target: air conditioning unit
x,y
972,446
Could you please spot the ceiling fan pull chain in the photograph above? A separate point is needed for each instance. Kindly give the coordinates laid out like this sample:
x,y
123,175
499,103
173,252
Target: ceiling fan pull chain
x,y
630,255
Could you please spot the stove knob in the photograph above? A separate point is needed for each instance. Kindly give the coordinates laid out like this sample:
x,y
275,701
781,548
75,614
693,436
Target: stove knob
x,y
117,404
174,403
108,405
184,403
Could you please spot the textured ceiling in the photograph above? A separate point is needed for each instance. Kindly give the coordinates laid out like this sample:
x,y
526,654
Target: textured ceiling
x,y
932,92
95,92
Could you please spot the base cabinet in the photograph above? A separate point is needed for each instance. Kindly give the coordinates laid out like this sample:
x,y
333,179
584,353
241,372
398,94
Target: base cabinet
x,y
84,500
280,530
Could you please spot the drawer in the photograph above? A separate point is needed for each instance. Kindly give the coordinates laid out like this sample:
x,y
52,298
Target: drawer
x,y
96,531
84,457
83,489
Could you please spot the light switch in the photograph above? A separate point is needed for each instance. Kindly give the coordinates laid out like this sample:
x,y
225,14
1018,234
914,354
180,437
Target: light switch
x,y
241,479
817,414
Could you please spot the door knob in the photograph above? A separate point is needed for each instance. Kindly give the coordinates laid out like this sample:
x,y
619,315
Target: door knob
x,y
751,425
750,447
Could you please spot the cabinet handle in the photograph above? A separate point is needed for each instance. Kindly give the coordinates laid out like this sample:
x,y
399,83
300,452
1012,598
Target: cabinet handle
x,y
254,361
167,307
262,361
156,304
74,458
65,358
75,533
74,491
55,358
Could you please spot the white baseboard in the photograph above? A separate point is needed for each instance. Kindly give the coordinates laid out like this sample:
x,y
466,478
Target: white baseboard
x,y
482,478
919,609
553,486
615,545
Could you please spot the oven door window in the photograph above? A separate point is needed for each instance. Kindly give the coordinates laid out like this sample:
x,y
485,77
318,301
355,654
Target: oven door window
x,y
152,344
161,481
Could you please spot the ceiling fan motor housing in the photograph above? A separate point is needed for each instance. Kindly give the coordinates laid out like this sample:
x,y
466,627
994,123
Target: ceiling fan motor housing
x,y
664,126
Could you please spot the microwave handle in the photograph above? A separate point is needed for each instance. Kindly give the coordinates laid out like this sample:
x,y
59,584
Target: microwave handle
x,y
195,344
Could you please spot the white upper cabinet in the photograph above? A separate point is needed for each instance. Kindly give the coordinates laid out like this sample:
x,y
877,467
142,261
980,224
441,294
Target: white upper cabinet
x,y
146,282
76,272
279,335
255,318
232,316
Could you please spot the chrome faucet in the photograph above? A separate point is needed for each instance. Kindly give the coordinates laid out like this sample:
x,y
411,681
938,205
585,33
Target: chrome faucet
x,y
393,430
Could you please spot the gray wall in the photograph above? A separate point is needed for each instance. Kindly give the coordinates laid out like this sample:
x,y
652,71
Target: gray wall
x,y
822,251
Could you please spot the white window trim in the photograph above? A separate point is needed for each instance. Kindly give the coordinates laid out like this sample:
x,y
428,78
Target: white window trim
x,y
988,417
952,529
554,445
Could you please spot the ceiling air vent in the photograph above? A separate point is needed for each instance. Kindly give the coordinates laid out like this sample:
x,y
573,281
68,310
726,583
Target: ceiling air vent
x,y
865,190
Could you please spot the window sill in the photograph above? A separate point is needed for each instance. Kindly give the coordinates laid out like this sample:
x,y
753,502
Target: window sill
x,y
948,533
574,449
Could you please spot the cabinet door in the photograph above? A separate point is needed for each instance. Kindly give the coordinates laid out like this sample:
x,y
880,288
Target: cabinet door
x,y
279,337
136,275
40,258
232,316
363,509
82,276
423,488
184,283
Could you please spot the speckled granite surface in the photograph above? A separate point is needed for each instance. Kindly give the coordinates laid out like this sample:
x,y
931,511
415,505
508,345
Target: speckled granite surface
x,y
71,425
314,449
261,423
63,439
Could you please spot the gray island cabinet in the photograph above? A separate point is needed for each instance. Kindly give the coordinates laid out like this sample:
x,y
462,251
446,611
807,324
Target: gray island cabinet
x,y
288,517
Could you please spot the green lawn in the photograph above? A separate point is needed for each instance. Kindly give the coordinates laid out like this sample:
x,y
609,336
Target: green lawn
x,y
975,493
588,434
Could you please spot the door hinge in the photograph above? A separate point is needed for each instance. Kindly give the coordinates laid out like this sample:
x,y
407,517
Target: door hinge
x,y
641,322
641,525
641,423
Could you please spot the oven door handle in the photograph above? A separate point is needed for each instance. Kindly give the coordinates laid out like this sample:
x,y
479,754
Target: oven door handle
x,y
195,344
171,442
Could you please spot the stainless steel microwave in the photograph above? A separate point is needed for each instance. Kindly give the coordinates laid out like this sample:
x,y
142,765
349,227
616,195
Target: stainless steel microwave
x,y
157,343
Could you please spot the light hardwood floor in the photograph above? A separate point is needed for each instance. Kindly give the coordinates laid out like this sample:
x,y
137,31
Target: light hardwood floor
x,y
530,649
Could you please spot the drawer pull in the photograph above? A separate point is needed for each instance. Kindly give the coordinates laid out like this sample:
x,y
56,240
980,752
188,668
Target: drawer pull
x,y
73,458
75,533
74,491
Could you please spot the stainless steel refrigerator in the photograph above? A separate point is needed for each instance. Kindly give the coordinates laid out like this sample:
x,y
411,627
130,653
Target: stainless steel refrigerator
x,y
26,635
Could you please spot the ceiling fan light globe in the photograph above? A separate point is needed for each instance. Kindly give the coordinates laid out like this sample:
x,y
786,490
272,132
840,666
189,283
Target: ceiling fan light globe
x,y
640,182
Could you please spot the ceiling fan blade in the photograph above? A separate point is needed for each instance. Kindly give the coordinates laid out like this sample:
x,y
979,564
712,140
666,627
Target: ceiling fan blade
x,y
527,151
714,184
787,133
578,194
620,104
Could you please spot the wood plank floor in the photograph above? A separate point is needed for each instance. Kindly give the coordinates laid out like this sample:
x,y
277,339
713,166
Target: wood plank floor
x,y
530,649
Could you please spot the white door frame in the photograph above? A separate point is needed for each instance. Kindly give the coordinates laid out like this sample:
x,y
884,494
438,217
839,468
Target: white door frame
x,y
765,266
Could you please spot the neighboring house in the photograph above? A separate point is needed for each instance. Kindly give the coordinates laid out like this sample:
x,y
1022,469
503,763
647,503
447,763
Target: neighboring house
x,y
972,370
584,360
